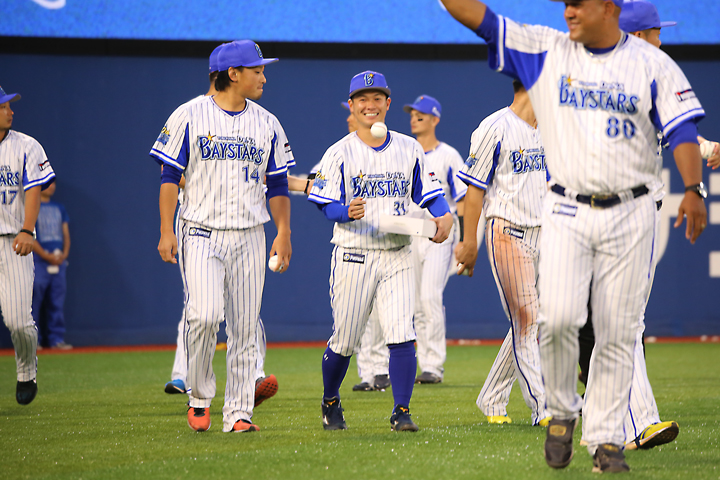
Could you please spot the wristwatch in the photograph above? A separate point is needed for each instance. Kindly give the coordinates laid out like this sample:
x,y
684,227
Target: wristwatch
x,y
699,189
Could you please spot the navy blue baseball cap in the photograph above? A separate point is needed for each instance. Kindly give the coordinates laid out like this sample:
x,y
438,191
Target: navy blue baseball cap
x,y
214,58
8,97
619,3
639,15
368,80
241,53
425,104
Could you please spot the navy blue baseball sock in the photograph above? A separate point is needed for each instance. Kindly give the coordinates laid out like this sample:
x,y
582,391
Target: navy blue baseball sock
x,y
403,366
334,368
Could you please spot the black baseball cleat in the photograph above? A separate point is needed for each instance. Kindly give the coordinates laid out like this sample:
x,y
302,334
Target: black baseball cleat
x,y
382,382
26,391
609,458
332,414
400,420
363,387
559,442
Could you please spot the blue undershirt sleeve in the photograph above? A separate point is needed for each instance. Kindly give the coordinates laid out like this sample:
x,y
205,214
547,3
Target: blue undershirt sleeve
x,y
277,185
336,212
489,28
686,132
438,206
170,174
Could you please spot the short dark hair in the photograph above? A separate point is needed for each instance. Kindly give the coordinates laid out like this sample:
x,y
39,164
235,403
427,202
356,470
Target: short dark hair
x,y
222,82
517,85
212,77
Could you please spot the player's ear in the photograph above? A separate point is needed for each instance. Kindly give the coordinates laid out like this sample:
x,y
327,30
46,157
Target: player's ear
x,y
388,103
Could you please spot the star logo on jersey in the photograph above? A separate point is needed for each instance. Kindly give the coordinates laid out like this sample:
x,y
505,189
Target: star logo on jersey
x,y
209,137
569,80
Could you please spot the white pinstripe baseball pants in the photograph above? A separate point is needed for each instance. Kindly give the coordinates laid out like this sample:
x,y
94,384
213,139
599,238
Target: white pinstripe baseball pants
x,y
372,356
612,247
384,280
16,286
513,254
224,273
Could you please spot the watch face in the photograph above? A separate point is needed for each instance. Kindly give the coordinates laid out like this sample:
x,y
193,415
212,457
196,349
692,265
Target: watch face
x,y
702,190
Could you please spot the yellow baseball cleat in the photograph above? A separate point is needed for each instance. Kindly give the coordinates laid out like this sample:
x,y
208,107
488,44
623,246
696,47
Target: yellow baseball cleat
x,y
544,422
654,435
499,419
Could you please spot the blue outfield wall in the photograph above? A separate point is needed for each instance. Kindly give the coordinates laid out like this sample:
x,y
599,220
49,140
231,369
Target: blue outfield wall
x,y
97,118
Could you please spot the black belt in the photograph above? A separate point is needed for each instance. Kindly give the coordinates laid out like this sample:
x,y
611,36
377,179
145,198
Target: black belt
x,y
602,200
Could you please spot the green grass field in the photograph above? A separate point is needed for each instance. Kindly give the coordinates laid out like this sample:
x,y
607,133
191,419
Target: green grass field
x,y
106,416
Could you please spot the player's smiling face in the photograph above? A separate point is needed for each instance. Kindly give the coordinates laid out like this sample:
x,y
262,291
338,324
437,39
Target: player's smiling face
x,y
369,107
587,19
421,123
6,116
250,81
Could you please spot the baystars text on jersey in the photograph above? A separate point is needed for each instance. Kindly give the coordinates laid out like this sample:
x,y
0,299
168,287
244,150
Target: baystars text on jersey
x,y
229,148
389,184
608,96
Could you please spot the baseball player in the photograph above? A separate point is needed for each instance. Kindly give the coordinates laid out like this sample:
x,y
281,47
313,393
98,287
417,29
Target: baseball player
x,y
24,171
225,143
50,259
643,426
265,386
600,96
434,262
506,176
360,178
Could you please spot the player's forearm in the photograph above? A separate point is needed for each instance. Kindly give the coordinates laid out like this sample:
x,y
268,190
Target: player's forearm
x,y
472,210
689,163
460,206
280,210
168,202
66,240
32,208
296,184
468,12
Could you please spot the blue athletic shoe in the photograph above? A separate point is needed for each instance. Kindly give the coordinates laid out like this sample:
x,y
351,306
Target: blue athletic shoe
x,y
175,386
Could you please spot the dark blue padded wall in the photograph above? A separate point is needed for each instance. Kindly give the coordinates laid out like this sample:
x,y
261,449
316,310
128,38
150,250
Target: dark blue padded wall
x,y
97,118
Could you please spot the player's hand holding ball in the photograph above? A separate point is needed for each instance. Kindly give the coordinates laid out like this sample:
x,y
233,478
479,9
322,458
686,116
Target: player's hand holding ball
x,y
710,151
466,256
356,209
444,226
280,253
23,244
275,265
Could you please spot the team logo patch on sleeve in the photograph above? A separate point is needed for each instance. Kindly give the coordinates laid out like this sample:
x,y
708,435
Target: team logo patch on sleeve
x,y
471,161
562,209
353,258
164,136
320,180
685,95
515,232
42,166
199,232
287,147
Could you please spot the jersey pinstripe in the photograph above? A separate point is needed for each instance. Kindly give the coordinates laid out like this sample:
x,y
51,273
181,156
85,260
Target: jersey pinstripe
x,y
23,165
388,177
240,148
507,159
600,107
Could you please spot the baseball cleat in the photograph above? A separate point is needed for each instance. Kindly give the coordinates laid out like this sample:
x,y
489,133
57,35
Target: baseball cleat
x,y
243,426
363,387
609,458
400,420
26,391
199,418
499,419
265,388
175,386
427,377
654,435
545,421
332,414
559,443
381,382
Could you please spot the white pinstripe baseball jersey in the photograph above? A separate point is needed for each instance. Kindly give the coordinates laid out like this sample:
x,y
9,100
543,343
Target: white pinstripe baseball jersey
x,y
23,165
212,147
388,177
600,107
507,160
446,162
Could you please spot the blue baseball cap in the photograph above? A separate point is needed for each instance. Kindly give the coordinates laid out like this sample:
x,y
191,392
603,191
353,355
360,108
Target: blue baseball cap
x,y
638,15
425,104
214,58
345,105
619,3
241,53
8,97
368,80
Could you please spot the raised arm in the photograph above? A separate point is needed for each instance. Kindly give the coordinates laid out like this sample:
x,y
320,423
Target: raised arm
x,y
468,12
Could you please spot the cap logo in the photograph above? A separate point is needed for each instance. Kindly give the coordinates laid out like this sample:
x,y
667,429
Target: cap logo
x,y
259,52
369,79
2,92
435,111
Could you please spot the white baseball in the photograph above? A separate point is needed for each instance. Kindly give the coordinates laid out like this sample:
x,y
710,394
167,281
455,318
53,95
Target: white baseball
x,y
274,263
465,272
706,148
378,130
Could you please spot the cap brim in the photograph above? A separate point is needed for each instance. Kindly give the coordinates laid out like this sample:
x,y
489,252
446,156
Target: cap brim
x,y
345,105
667,24
11,97
386,91
264,61
408,108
